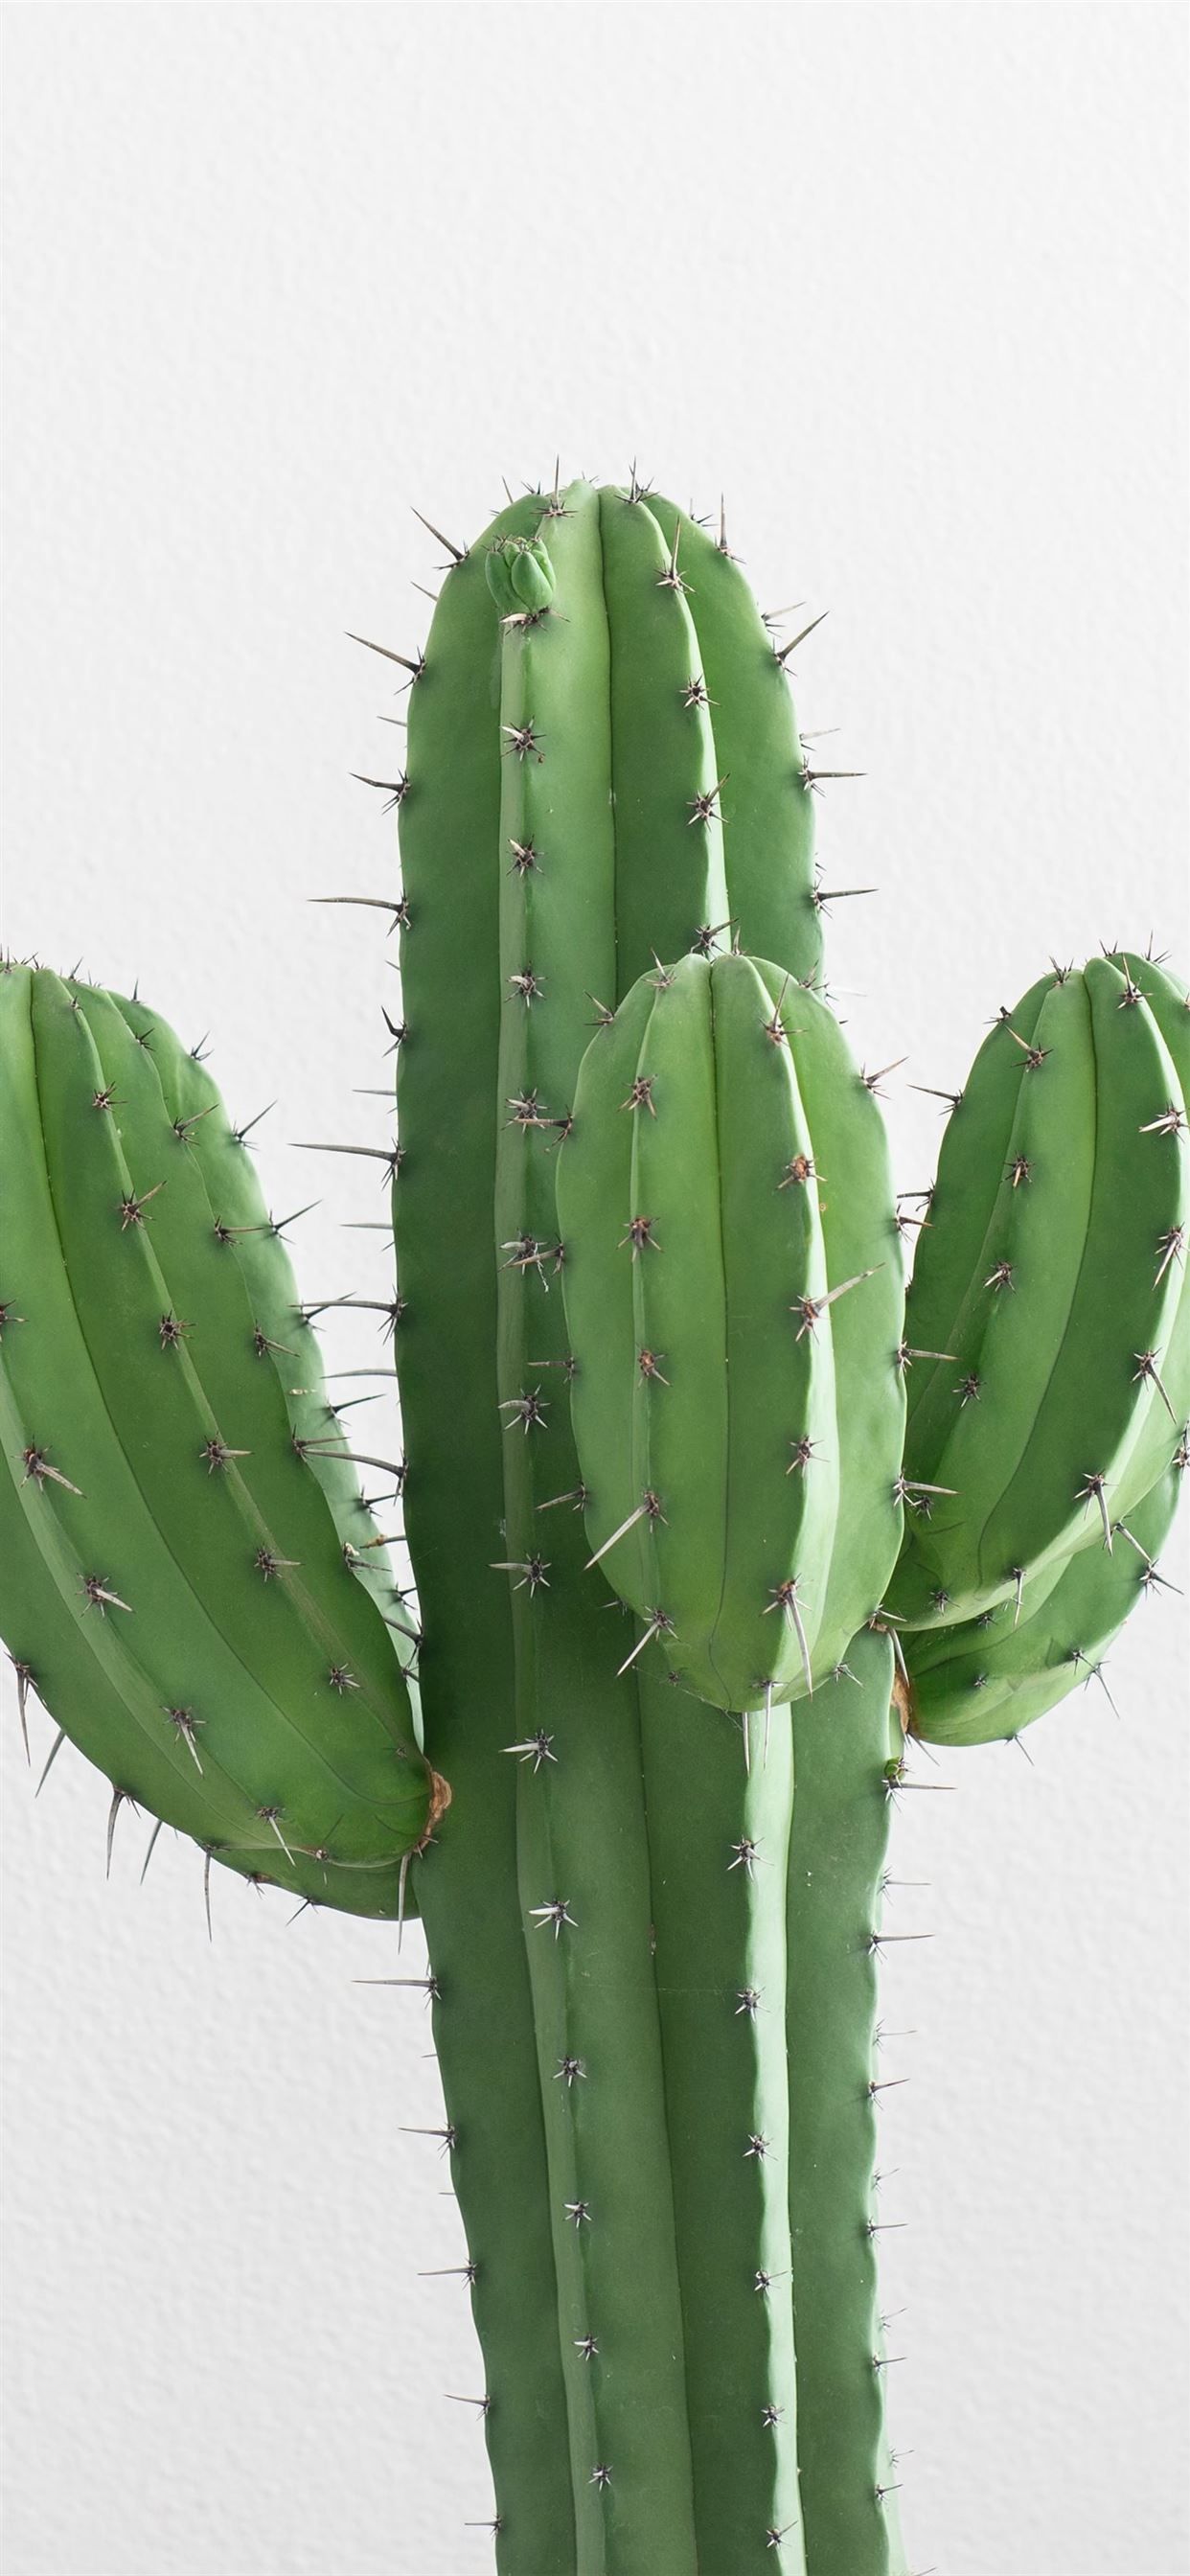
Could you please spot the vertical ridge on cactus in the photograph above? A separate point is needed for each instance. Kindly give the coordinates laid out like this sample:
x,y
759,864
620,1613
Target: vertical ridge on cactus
x,y
843,1741
702,1524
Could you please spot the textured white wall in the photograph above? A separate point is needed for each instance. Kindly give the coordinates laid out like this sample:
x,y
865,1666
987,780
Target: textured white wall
x,y
907,281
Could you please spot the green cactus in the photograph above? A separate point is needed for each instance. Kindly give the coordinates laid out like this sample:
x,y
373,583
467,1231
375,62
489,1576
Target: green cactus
x,y
684,1580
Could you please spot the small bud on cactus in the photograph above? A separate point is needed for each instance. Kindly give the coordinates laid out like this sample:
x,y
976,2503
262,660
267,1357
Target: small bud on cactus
x,y
520,577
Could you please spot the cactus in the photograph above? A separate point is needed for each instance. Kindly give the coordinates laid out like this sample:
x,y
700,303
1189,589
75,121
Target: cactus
x,y
685,1581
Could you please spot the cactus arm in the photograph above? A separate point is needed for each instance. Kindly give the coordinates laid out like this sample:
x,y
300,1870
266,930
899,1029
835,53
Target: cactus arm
x,y
719,1923
450,1115
987,1678
843,1739
1035,1425
782,1500
767,806
581,1837
109,1675
217,1513
669,858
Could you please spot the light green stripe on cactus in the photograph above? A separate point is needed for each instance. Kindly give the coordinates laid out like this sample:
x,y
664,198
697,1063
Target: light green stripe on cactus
x,y
855,1203
450,1117
1167,1420
843,1739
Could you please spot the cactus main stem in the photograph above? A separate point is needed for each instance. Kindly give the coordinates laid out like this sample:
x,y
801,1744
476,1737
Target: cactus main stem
x,y
718,1807
703,2005
609,1934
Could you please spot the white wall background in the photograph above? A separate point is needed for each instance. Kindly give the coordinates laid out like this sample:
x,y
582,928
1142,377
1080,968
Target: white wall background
x,y
907,281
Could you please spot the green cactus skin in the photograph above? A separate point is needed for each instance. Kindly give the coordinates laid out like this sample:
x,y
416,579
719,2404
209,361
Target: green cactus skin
x,y
653,1922
718,1812
843,1741
1060,1324
982,1682
689,1203
175,1589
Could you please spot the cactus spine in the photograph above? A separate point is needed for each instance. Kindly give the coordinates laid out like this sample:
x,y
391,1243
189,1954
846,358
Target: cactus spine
x,y
683,1581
